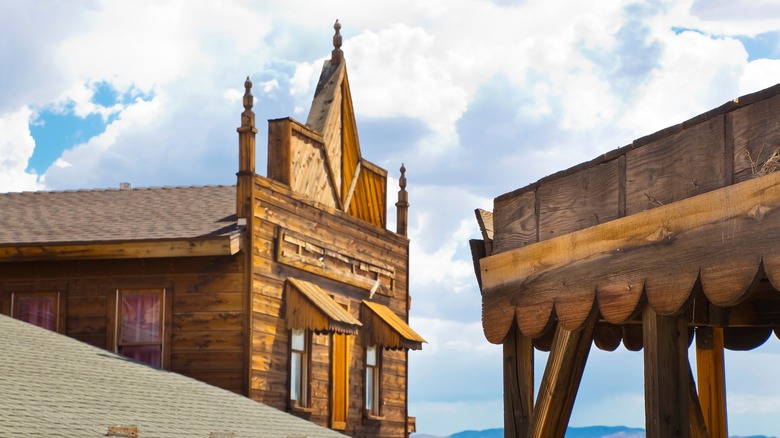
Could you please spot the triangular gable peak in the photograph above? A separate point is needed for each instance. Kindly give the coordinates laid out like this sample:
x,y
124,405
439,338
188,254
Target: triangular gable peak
x,y
322,159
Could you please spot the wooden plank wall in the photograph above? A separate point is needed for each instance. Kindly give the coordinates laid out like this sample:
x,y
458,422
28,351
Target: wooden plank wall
x,y
205,313
277,208
724,146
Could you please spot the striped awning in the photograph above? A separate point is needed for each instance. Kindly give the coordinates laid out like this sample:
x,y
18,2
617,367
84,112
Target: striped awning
x,y
309,307
381,326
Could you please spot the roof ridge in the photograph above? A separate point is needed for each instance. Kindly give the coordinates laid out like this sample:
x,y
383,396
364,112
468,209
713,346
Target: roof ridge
x,y
117,189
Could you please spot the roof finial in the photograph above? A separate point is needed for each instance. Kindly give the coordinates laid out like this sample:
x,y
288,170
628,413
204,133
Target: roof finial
x,y
402,217
336,55
248,117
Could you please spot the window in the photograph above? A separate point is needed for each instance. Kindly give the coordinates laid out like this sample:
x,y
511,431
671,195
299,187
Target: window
x,y
373,380
299,368
140,325
38,308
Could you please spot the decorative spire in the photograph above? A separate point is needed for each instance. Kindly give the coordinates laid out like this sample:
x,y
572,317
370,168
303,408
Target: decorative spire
x,y
248,117
336,55
402,216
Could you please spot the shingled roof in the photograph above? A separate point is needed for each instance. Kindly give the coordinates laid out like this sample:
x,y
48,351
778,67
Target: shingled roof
x,y
117,215
52,385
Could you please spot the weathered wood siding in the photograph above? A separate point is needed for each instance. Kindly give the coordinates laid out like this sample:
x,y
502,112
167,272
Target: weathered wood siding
x,y
204,304
727,145
278,213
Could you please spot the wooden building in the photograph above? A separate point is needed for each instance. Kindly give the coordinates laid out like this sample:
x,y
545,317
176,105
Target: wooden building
x,y
288,288
672,238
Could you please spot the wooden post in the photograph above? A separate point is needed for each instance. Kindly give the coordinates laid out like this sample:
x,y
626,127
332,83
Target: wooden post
x,y
667,410
710,368
402,218
698,427
246,154
561,380
518,384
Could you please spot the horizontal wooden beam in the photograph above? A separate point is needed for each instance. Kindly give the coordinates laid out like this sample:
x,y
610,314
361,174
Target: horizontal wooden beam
x,y
225,245
720,238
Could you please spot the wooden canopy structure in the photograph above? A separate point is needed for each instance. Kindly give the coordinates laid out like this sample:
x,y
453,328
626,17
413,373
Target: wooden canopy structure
x,y
673,236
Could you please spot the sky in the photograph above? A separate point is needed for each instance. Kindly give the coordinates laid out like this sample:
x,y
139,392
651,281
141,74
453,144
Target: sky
x,y
476,97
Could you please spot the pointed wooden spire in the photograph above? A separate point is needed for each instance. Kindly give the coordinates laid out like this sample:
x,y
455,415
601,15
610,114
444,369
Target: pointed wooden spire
x,y
246,154
336,56
402,217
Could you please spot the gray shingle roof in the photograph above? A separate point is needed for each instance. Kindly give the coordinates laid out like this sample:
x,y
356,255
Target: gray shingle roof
x,y
117,215
52,385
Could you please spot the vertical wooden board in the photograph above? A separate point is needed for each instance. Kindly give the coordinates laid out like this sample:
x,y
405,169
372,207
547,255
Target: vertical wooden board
x,y
518,383
279,158
580,200
667,383
514,221
676,167
755,131
710,367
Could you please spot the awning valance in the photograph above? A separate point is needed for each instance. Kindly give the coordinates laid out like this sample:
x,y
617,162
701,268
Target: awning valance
x,y
724,240
381,326
309,307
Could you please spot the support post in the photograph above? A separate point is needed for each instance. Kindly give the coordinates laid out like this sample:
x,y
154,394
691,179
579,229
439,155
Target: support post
x,y
518,384
561,380
667,410
710,368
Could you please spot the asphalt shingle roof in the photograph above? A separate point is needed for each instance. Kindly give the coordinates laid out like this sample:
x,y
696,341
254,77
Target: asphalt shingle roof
x,y
117,215
55,386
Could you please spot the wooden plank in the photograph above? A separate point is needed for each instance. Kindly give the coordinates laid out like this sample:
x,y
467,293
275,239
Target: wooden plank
x,y
676,167
207,340
710,368
209,302
202,321
485,221
226,245
698,427
579,200
667,383
719,233
518,384
561,380
514,221
755,134
607,336
279,154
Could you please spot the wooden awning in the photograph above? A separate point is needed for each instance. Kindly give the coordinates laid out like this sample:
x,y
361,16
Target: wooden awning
x,y
724,240
381,326
309,307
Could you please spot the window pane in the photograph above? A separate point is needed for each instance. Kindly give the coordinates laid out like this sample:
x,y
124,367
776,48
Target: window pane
x,y
140,317
370,389
298,340
37,309
295,376
149,354
371,355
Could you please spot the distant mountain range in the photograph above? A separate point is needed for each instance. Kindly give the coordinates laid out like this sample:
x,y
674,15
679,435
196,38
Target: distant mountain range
x,y
572,432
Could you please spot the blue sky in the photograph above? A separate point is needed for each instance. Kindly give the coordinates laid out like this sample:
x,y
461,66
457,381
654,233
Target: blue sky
x,y
477,98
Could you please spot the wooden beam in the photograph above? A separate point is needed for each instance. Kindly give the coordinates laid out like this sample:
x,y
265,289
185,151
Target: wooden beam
x,y
667,383
697,423
225,245
561,380
710,368
518,384
719,236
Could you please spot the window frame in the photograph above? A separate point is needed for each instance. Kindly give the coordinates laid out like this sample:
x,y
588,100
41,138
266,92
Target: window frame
x,y
374,411
303,401
59,317
163,318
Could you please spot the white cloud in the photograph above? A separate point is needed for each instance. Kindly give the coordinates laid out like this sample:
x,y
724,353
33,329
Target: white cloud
x,y
16,148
